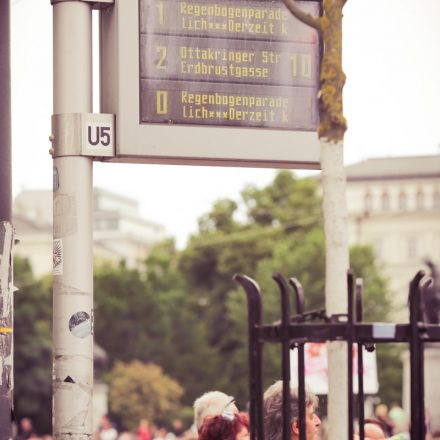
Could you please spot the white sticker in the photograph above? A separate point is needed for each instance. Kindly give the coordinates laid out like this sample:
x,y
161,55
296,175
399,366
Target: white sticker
x,y
58,256
80,325
384,330
99,135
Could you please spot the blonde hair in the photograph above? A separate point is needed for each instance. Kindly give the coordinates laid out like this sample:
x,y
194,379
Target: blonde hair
x,y
211,403
381,410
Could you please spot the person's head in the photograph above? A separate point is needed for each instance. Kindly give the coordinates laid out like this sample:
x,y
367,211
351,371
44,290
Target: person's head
x,y
26,424
212,403
105,422
227,426
177,424
381,410
143,423
273,413
373,431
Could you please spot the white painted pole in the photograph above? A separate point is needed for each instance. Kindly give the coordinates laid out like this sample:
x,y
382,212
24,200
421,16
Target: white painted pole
x,y
336,266
72,223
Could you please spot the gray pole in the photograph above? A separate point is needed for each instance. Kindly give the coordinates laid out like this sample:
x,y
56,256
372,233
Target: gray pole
x,y
5,113
6,230
72,229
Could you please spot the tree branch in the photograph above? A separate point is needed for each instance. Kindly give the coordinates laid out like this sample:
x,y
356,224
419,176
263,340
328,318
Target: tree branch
x,y
303,16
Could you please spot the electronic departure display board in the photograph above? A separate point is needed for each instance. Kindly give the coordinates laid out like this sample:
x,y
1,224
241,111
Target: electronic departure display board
x,y
211,82
229,63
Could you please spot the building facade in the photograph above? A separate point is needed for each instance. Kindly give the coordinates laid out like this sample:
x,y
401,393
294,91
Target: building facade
x,y
119,232
394,205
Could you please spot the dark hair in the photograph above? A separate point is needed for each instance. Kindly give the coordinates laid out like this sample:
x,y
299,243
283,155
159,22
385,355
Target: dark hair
x,y
222,427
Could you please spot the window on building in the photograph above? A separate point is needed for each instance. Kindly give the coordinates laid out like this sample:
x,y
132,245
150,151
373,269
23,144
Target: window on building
x,y
402,201
436,199
420,202
368,202
385,201
105,224
112,223
412,247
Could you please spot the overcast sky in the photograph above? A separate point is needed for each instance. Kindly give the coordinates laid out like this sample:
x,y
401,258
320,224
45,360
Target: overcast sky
x,y
392,95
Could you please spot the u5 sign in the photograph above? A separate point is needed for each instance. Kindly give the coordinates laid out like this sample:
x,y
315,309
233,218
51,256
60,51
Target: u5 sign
x,y
98,135
83,134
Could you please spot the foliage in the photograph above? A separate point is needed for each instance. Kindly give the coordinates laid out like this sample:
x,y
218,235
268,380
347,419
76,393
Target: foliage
x,y
376,302
32,347
390,372
147,315
181,310
138,390
282,232
376,306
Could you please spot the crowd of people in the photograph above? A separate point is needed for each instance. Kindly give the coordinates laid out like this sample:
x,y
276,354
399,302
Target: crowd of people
x,y
217,417
392,424
144,431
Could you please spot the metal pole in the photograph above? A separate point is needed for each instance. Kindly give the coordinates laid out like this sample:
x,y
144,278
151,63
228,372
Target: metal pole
x,y
416,375
350,337
299,296
6,230
5,113
72,229
359,317
285,351
255,313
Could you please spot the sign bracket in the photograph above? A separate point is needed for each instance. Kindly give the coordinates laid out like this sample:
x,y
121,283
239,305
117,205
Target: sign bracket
x,y
96,4
83,134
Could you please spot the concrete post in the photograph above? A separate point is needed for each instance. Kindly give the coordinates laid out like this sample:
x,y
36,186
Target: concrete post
x,y
72,229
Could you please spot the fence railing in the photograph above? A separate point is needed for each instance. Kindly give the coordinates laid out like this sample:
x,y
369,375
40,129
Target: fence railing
x,y
295,328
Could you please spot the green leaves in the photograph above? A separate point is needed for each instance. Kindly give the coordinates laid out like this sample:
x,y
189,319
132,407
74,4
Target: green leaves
x,y
141,390
32,346
181,311
221,217
376,301
287,202
148,315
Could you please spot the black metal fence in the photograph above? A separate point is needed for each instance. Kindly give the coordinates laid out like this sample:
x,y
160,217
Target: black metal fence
x,y
295,328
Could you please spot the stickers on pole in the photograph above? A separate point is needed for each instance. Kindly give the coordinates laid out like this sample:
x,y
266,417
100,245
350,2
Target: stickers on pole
x,y
80,325
58,256
55,179
64,215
